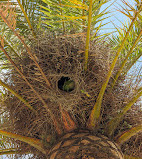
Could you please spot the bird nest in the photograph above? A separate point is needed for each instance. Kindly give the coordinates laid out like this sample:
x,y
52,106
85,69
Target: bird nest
x,y
62,60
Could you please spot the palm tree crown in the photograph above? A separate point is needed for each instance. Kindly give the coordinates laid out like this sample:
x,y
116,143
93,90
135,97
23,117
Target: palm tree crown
x,y
65,83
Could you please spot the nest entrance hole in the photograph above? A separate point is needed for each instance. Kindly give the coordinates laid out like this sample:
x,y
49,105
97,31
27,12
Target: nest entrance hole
x,y
66,84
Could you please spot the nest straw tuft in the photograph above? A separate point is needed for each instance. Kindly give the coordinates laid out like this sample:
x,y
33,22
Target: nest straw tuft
x,y
63,57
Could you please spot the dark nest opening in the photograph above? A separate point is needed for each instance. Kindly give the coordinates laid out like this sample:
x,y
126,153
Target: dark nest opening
x,y
61,59
66,84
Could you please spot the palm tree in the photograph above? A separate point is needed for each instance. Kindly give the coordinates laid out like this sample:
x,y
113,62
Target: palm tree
x,y
68,91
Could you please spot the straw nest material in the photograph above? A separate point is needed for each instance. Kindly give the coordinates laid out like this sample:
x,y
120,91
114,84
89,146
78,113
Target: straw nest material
x,y
63,58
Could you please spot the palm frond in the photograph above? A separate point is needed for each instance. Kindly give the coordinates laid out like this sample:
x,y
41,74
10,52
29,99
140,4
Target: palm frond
x,y
113,123
28,15
31,141
130,157
22,75
95,113
70,12
17,95
71,18
25,15
135,49
126,59
88,34
11,151
11,24
128,134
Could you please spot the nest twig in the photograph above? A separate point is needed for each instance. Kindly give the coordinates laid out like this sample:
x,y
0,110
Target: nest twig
x,y
63,57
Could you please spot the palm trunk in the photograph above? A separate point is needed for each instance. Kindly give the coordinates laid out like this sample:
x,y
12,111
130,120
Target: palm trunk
x,y
84,145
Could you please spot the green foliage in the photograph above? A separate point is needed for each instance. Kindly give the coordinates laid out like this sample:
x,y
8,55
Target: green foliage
x,y
71,16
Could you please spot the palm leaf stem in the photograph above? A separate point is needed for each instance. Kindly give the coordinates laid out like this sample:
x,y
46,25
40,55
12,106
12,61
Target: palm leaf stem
x,y
95,113
63,23
96,31
42,73
78,7
88,34
113,123
27,48
130,157
8,151
57,125
83,20
69,124
28,21
133,62
128,134
17,95
77,3
15,53
125,60
31,141
15,66
140,89
12,152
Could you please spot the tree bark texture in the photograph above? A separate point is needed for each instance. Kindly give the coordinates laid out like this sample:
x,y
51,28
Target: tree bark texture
x,y
84,145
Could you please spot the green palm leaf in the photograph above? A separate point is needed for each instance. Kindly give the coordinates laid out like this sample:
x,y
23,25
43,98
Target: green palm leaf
x,y
128,134
95,114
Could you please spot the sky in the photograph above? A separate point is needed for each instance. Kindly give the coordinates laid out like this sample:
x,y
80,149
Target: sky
x,y
116,16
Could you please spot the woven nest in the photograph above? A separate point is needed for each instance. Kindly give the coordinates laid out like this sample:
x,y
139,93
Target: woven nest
x,y
62,58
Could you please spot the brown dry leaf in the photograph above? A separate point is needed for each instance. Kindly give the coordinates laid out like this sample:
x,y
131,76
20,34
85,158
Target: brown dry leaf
x,y
2,41
69,124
